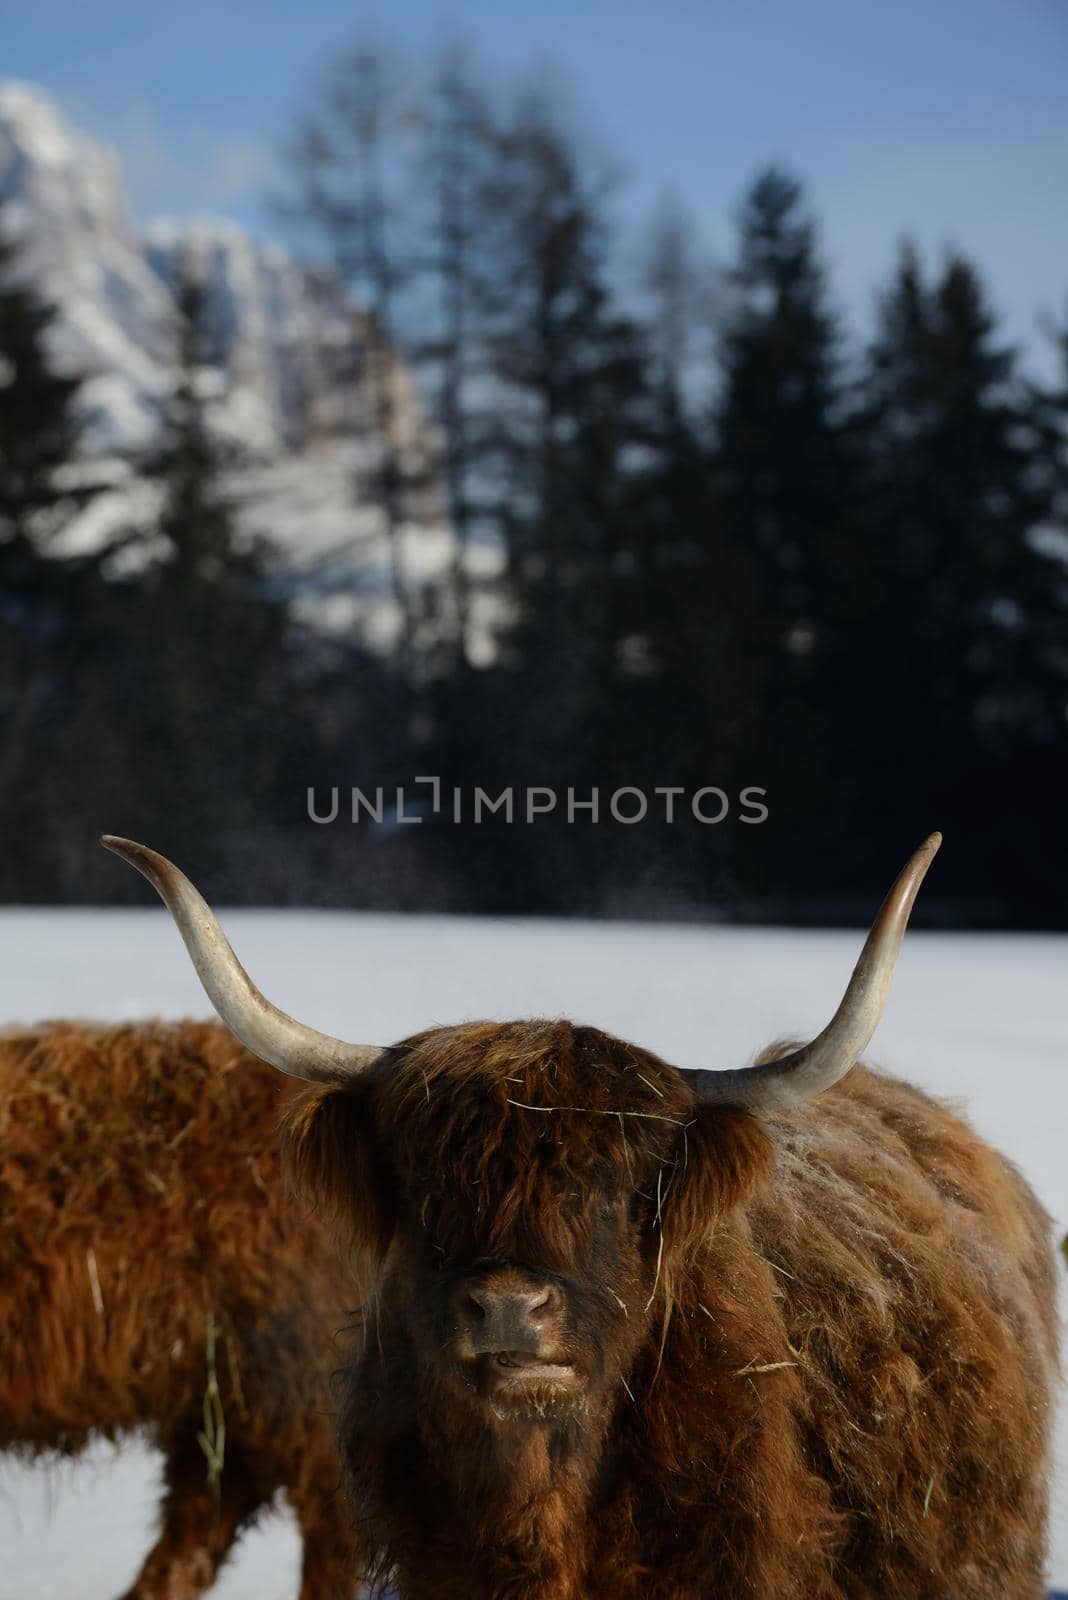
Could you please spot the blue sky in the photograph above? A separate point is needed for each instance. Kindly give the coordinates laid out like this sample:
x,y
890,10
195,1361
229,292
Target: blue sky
x,y
944,119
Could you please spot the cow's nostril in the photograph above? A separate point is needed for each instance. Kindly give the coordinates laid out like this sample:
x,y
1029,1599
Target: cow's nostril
x,y
505,1309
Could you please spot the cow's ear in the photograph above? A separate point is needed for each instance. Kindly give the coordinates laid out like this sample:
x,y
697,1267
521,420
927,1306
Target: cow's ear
x,y
722,1159
332,1160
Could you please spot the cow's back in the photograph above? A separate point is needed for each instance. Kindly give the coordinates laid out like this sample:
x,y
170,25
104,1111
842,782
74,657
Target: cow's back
x,y
916,1284
142,1220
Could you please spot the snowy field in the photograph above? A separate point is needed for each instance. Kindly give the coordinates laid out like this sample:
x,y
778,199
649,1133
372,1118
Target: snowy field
x,y
983,1018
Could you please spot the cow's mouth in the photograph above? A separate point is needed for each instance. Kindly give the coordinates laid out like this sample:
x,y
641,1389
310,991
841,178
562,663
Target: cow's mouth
x,y
518,1372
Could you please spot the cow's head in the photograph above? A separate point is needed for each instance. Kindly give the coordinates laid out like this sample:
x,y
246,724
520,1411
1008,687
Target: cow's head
x,y
522,1196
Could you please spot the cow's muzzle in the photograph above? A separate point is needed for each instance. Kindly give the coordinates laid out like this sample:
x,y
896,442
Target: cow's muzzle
x,y
504,1317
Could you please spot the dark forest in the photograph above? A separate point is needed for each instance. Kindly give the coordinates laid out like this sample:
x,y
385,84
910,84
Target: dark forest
x,y
743,549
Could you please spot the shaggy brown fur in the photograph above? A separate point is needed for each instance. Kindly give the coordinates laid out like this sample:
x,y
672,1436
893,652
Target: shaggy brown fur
x,y
816,1349
141,1224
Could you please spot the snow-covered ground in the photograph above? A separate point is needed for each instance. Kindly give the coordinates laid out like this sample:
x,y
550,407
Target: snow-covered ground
x,y
981,1017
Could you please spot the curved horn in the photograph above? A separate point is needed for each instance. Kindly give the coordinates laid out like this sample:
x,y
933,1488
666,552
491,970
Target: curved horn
x,y
268,1032
833,1052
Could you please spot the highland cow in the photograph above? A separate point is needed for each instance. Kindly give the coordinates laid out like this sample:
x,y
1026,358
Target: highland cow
x,y
153,1280
634,1333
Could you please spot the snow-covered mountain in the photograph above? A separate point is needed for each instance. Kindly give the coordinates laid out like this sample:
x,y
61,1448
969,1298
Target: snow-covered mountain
x,y
277,330
63,208
285,382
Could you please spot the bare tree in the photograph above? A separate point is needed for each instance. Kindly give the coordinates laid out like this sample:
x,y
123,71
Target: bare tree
x,y
679,289
457,143
347,163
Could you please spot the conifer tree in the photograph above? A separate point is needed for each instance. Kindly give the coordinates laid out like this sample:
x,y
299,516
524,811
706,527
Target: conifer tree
x,y
38,423
966,653
39,434
197,519
782,457
567,368
1048,414
43,599
953,456
695,591
209,637
784,473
